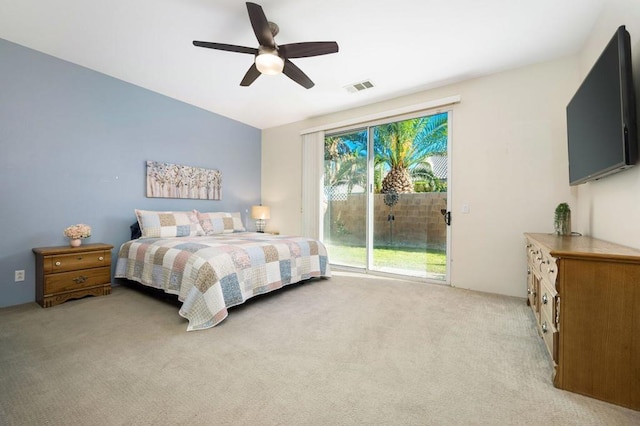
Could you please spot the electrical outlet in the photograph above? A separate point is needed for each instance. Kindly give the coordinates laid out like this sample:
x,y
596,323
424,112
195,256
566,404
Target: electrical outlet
x,y
19,276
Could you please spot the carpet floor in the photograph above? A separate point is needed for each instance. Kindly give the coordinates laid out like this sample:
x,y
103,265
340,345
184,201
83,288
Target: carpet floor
x,y
350,350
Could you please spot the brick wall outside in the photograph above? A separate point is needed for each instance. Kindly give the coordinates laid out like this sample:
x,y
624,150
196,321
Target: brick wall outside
x,y
418,220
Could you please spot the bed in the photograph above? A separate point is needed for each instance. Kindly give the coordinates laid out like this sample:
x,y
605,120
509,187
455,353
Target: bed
x,y
211,263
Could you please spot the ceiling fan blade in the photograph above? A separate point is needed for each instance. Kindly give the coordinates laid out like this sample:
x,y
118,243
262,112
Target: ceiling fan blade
x,y
226,47
307,49
260,25
296,74
250,76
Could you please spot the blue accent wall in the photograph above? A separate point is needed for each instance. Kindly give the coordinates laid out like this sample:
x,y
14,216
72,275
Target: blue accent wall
x,y
73,149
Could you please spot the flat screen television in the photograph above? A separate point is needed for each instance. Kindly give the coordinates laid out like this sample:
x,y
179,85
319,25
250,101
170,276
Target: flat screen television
x,y
601,116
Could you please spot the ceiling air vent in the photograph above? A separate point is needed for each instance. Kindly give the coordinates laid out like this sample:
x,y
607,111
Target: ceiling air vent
x,y
359,87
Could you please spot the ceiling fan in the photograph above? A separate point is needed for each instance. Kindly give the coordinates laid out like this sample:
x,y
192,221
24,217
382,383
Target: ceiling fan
x,y
269,57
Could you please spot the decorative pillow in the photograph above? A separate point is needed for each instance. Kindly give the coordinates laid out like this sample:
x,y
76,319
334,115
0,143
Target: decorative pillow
x,y
168,224
135,230
220,222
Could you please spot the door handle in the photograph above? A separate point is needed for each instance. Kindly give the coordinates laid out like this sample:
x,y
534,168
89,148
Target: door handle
x,y
447,216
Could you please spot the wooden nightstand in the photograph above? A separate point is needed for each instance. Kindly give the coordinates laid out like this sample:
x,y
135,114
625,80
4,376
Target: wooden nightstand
x,y
64,273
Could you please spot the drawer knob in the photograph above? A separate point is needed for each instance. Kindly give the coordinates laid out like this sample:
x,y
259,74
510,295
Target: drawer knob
x,y
58,263
545,327
80,279
101,258
545,299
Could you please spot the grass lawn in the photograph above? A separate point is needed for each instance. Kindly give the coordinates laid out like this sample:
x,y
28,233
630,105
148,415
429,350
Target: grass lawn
x,y
418,260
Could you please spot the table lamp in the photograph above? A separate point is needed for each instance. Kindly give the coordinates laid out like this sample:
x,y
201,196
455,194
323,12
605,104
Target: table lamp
x,y
260,214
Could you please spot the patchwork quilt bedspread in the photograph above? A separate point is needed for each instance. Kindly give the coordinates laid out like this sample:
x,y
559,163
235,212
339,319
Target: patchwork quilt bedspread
x,y
212,273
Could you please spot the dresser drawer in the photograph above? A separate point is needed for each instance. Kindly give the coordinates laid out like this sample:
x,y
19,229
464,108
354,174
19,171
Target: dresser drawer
x,y
76,261
548,269
532,253
532,282
548,301
549,334
67,281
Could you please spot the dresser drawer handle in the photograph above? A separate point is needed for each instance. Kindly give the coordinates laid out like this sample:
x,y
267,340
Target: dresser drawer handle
x,y
545,327
80,279
58,263
545,299
101,258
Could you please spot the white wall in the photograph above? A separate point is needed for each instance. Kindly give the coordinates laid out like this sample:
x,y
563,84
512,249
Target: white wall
x,y
509,164
609,209
282,181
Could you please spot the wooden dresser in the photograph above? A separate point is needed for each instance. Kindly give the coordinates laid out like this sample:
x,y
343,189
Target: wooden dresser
x,y
585,294
64,273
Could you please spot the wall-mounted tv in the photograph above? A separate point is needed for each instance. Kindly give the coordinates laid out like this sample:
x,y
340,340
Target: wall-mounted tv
x,y
601,116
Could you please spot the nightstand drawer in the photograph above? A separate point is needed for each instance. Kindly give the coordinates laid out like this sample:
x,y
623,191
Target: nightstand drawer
x,y
75,280
75,261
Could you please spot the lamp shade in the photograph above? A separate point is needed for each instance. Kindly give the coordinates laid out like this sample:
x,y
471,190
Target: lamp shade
x,y
260,212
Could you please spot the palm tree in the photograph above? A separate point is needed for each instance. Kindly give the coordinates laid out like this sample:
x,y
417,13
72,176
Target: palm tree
x,y
425,180
402,146
344,164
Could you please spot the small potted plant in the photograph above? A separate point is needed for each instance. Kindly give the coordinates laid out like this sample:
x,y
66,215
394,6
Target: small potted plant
x,y
562,219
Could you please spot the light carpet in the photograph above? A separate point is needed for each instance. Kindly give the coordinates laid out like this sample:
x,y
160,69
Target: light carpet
x,y
351,350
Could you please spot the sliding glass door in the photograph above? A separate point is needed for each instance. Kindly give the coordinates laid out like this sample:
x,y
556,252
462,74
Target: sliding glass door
x,y
345,196
385,187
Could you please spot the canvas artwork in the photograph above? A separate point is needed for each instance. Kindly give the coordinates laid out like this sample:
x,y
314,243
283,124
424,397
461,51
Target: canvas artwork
x,y
165,180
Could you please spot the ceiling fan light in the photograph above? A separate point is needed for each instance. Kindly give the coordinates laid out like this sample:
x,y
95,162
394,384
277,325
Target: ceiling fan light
x,y
269,63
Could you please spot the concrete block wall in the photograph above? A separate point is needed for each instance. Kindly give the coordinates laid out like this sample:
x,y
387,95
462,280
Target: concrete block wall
x,y
417,222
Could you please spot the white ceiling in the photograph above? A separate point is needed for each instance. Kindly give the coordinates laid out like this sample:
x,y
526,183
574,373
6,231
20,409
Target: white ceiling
x,y
402,46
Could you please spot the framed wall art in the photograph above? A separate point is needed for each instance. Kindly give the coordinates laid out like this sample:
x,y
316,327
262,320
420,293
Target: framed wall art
x,y
166,180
